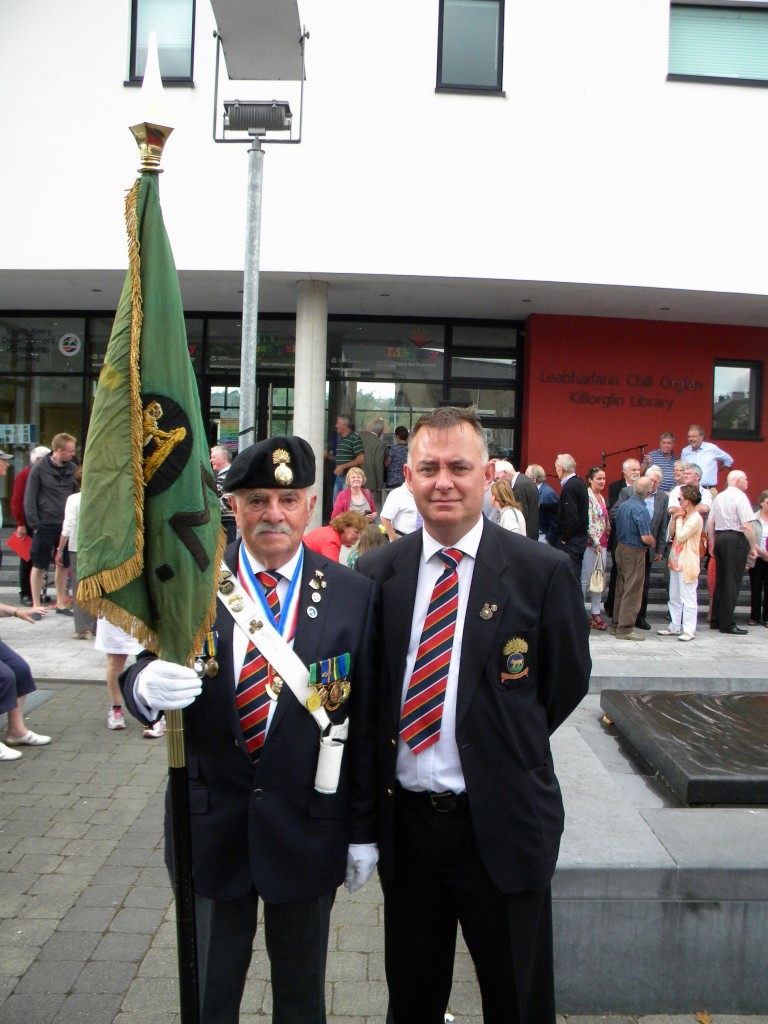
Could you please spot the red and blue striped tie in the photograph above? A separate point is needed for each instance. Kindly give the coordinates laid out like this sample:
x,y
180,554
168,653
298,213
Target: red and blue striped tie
x,y
251,694
423,708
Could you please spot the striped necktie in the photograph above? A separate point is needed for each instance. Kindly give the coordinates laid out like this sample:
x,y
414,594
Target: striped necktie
x,y
251,694
423,708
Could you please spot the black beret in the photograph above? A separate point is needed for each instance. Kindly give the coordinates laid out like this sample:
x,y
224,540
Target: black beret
x,y
276,462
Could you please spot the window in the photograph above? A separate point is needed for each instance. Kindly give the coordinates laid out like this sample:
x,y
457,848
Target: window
x,y
174,23
736,400
470,45
723,44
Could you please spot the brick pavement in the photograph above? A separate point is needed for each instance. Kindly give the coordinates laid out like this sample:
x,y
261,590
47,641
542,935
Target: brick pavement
x,y
86,921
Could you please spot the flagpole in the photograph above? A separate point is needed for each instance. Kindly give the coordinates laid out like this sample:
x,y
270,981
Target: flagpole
x,y
151,139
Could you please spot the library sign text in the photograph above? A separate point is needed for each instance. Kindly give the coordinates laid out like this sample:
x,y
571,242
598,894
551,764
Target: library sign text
x,y
638,390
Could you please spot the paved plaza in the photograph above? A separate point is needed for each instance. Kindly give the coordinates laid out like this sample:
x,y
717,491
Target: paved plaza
x,y
87,932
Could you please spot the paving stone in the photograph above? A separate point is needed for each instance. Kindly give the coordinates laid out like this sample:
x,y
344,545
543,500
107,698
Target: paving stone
x,y
105,977
29,1007
124,946
138,920
50,976
70,946
87,919
87,1008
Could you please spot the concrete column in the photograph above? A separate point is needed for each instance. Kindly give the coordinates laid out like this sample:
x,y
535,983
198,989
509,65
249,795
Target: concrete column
x,y
309,374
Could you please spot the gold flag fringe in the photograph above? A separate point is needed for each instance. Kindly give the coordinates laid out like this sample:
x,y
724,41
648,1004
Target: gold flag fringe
x,y
91,589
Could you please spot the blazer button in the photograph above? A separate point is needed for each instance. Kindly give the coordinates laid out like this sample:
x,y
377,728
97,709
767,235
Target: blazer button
x,y
390,792
258,794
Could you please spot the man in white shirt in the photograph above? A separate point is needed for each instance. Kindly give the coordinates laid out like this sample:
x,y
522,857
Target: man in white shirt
x,y
473,734
707,456
732,541
399,515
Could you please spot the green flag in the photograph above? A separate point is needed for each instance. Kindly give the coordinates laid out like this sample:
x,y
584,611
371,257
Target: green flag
x,y
149,535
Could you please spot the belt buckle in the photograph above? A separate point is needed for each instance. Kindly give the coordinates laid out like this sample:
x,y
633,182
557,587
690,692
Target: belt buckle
x,y
439,800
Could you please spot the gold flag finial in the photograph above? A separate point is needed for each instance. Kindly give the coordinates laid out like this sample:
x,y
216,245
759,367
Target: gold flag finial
x,y
150,133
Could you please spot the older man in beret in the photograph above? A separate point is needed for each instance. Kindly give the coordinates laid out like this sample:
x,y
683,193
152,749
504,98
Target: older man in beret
x,y
265,825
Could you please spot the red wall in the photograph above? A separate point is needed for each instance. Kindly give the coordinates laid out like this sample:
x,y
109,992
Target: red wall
x,y
594,385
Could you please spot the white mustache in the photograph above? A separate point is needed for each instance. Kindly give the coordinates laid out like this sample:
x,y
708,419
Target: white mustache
x,y
267,528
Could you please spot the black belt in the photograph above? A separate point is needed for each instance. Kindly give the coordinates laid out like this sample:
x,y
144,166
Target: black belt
x,y
443,803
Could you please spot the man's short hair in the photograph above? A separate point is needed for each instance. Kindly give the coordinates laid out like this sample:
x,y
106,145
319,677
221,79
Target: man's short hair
x,y
536,473
681,464
666,436
656,470
642,487
221,450
39,453
376,426
734,476
346,420
696,469
696,429
60,440
502,466
448,417
626,462
566,462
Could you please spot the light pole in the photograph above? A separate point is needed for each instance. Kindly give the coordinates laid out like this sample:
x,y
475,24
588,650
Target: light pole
x,y
255,122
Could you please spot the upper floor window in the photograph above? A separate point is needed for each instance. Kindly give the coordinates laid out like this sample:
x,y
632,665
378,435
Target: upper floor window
x,y
737,399
470,45
720,43
174,23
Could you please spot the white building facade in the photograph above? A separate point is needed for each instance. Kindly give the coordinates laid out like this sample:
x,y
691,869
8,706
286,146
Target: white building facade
x,y
528,206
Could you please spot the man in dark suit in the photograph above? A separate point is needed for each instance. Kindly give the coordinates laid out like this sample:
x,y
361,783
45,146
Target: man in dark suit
x,y
260,827
572,512
548,502
471,811
656,502
526,494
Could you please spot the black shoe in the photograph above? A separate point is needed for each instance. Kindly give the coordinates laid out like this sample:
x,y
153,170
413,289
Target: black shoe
x,y
26,600
71,614
735,631
642,624
714,624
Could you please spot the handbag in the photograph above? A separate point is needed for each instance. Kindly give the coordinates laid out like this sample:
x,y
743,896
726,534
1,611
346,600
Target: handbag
x,y
597,579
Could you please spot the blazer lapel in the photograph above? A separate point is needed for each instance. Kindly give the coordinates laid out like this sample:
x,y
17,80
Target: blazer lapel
x,y
398,596
491,585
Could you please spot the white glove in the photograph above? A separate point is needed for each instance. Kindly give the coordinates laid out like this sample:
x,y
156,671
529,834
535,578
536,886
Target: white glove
x,y
164,686
361,860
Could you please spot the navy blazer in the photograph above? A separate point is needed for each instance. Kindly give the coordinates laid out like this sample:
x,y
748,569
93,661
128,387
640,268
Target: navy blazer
x,y
503,718
263,825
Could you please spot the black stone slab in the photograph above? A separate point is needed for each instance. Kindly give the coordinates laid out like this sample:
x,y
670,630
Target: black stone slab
x,y
709,748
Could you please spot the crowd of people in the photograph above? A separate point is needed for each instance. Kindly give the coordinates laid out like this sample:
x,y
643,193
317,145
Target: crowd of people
x,y
434,630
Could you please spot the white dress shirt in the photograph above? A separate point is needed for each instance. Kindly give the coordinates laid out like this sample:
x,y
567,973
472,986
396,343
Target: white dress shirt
x,y
438,768
707,458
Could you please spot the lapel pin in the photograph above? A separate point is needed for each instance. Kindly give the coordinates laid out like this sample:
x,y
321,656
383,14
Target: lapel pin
x,y
312,612
488,611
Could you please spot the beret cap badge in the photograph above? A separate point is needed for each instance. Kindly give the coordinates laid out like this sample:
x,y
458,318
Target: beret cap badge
x,y
283,472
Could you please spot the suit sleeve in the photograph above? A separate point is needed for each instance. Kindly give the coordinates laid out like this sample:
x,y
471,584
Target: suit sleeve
x,y
564,660
362,733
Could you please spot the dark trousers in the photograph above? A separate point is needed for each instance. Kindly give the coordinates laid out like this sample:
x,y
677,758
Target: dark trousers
x,y
574,548
731,550
296,936
439,883
758,586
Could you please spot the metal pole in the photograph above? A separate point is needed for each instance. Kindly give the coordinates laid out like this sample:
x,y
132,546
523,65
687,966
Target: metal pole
x,y
247,420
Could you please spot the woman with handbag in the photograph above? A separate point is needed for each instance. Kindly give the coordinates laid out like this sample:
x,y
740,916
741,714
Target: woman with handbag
x,y
598,528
